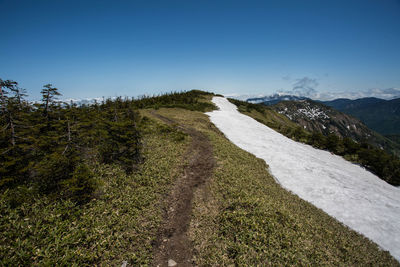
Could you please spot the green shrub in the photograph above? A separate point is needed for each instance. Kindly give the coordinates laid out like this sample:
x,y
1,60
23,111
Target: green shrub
x,y
81,185
122,144
53,169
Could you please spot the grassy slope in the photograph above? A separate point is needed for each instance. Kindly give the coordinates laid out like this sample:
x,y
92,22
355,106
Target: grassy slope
x,y
241,216
118,225
395,138
244,217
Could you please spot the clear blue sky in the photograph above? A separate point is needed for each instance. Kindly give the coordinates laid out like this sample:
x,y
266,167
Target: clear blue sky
x,y
109,48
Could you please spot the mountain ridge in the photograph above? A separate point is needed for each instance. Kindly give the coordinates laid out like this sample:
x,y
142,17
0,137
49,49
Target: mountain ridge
x,y
274,99
380,115
315,116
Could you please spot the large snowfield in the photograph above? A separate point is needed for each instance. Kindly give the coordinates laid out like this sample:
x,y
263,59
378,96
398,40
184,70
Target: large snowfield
x,y
346,191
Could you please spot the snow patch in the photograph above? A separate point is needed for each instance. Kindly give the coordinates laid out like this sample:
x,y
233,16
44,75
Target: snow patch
x,y
344,190
309,112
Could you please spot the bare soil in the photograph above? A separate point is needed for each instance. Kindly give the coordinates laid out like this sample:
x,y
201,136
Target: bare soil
x,y
172,239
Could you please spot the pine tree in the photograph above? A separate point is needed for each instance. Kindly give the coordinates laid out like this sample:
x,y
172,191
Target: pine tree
x,y
15,141
49,94
6,108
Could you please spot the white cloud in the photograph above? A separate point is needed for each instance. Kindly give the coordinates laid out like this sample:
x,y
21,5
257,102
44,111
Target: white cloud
x,y
305,87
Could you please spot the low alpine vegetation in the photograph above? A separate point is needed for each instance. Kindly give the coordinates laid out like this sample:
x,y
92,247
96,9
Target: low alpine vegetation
x,y
84,184
243,217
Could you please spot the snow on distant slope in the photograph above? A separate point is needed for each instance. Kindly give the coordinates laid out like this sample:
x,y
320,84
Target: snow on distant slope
x,y
312,113
344,190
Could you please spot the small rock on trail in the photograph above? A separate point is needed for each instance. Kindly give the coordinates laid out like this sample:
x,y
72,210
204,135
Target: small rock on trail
x,y
171,263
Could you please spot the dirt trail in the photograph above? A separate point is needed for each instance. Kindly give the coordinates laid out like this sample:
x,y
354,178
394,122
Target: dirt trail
x,y
172,241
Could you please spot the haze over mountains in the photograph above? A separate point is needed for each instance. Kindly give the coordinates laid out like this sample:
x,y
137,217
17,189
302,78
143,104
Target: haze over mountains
x,y
306,87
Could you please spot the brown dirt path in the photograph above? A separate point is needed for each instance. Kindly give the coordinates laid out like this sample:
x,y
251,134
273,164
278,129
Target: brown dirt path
x,y
172,240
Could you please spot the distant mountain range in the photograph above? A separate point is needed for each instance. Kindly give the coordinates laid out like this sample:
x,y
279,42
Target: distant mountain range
x,y
317,117
380,115
274,99
365,119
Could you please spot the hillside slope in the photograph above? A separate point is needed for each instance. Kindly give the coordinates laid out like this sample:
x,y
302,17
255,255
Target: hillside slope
x,y
376,160
316,117
242,216
380,115
344,190
234,214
